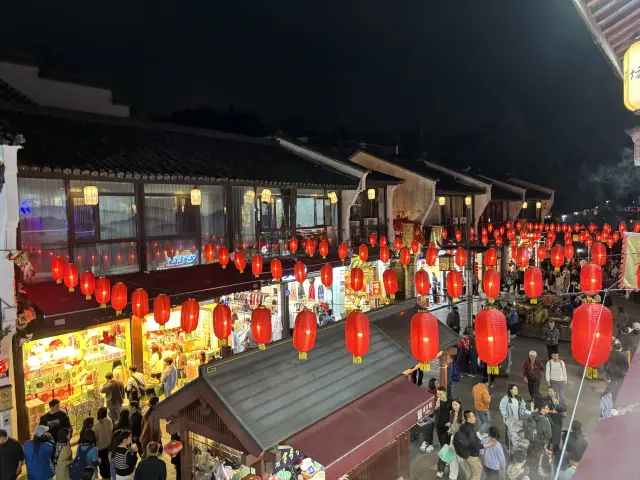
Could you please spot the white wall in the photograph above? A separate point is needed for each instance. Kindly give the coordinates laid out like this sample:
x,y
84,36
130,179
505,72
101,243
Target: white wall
x,y
55,93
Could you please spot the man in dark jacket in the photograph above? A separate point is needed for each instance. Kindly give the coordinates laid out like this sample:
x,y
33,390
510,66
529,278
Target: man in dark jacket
x,y
543,426
114,393
552,335
441,416
617,367
453,320
151,468
473,444
532,373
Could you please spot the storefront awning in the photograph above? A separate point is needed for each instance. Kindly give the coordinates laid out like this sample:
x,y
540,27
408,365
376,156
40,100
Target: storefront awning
x,y
351,435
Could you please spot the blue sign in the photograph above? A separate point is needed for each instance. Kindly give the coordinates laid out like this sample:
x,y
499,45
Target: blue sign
x,y
288,456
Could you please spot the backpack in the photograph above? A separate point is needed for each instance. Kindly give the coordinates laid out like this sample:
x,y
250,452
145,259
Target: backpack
x,y
456,374
529,427
460,445
135,394
76,469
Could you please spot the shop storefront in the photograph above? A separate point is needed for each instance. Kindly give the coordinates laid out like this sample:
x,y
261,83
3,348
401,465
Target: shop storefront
x,y
373,295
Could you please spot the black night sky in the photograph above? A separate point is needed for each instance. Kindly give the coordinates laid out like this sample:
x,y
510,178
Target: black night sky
x,y
500,85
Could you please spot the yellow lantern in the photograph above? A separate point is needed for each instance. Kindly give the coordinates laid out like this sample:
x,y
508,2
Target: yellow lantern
x,y
631,73
90,195
467,201
371,193
525,205
441,201
538,205
195,196
266,195
333,196
249,196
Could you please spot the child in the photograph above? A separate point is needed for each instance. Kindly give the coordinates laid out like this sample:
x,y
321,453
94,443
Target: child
x,y
520,442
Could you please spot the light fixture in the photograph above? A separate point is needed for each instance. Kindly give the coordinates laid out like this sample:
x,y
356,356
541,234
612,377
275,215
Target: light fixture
x,y
467,201
266,195
333,196
442,201
195,196
90,195
525,204
249,196
371,193
538,205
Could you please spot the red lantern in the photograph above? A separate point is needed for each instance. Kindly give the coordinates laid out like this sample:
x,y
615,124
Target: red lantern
x,y
383,240
310,247
103,291
276,269
405,256
490,228
485,240
415,247
591,334
514,242
87,284
323,248
293,244
261,326
343,251
432,255
461,257
161,309
542,253
622,227
522,257
240,261
533,284
304,333
57,269
445,234
490,258
209,252
499,240
223,256
363,252
326,275
568,251
300,272
588,241
592,227
356,334
423,284
119,297
390,281
598,237
518,225
385,254
425,338
590,279
70,276
372,239
636,227
357,279
491,284
454,284
189,315
491,338
140,302
397,243
557,257
615,236
599,253
256,265
222,323
458,235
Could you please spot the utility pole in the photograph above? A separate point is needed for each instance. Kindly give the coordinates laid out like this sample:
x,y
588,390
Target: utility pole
x,y
468,202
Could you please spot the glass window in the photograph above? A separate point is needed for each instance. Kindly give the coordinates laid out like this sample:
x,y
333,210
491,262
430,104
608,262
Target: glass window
x,y
244,221
168,210
117,217
168,188
161,216
212,213
305,212
43,222
171,253
77,186
107,258
84,218
320,211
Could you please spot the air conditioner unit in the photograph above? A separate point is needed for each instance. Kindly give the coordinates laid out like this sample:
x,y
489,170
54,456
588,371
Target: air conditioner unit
x,y
369,222
354,224
462,220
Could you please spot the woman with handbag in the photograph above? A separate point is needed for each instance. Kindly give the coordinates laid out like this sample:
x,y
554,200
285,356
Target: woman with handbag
x,y
456,419
151,431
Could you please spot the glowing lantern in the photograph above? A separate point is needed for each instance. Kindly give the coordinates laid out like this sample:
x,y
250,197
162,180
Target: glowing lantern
x,y
557,257
564,227
576,227
598,237
622,227
542,253
590,279
591,334
223,256
552,236
390,281
588,241
533,284
371,194
522,257
87,284
491,338
222,323
518,225
383,240
300,272
261,326
485,240
405,256
90,194
140,302
209,252
461,257
499,240
423,284
161,309
385,254
454,284
293,244
357,279
599,253
490,228
490,258
425,338
323,248
343,251
326,275
70,276
508,225
615,236
57,269
276,269
568,251
415,247
119,297
189,315
445,234
552,227
356,329
592,227
610,242
373,239
514,242
636,227
310,247
304,333
103,291
491,284
472,231
239,261
458,235
363,252
606,228
431,255
397,243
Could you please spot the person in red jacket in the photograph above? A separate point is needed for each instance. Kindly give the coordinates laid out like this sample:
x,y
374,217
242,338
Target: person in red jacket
x,y
532,372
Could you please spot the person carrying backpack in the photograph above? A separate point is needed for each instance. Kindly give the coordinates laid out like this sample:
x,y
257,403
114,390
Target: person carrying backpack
x,y
454,375
86,456
135,385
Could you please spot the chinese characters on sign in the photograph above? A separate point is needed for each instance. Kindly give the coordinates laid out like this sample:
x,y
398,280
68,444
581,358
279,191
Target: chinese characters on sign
x,y
425,410
288,456
374,289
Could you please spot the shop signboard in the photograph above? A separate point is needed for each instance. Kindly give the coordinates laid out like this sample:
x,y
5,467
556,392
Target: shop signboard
x,y
375,290
6,402
186,258
288,456
425,409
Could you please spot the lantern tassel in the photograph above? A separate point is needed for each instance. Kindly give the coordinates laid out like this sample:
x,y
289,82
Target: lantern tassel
x,y
491,300
224,267
88,297
493,369
557,269
58,281
241,271
324,258
533,301
223,342
592,373
425,367
103,305
302,355
357,360
262,346
71,289
393,297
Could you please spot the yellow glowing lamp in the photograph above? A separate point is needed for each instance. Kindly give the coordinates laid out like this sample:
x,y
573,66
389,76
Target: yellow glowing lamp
x,y
196,196
371,194
631,73
441,201
90,193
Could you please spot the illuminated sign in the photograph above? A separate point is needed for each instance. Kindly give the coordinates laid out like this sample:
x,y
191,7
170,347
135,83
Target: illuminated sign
x,y
184,259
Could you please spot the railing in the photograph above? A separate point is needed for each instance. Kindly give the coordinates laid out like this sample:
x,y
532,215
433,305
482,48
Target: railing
x,y
360,234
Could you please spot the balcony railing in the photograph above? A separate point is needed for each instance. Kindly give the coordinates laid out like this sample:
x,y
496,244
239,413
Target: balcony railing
x,y
360,234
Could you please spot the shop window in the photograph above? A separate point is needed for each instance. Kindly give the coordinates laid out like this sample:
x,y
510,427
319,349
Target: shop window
x,y
212,216
171,253
311,207
275,221
244,217
107,258
43,222
168,210
312,295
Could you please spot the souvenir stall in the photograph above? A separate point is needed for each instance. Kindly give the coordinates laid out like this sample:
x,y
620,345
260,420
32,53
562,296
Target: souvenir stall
x,y
312,295
72,368
372,296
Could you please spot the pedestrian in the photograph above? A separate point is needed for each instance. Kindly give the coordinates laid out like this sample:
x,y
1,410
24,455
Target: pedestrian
x,y
38,454
453,375
518,470
621,320
104,432
453,320
135,417
481,402
552,336
156,362
181,363
463,356
513,322
86,455
552,398
87,424
151,468
456,419
426,425
556,375
556,417
63,455
434,288
123,422
576,444
135,385
55,419
119,373
169,376
616,367
11,456
442,415
512,407
543,426
532,373
473,444
628,341
568,473
114,392
125,455
606,403
493,457
150,425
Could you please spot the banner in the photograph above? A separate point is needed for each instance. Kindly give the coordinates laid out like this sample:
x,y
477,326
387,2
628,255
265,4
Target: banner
x,y
630,259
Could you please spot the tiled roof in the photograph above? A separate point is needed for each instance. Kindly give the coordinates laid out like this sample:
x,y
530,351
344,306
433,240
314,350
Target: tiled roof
x,y
445,184
10,94
82,144
498,192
